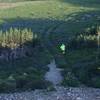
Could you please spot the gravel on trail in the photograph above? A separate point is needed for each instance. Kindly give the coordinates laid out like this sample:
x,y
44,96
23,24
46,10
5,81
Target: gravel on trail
x,y
60,94
54,74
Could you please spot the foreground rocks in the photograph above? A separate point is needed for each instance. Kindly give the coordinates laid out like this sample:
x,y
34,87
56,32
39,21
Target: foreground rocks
x,y
60,94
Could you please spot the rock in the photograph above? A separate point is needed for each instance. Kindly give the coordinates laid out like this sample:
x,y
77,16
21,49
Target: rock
x,y
60,94
79,98
39,99
69,94
98,97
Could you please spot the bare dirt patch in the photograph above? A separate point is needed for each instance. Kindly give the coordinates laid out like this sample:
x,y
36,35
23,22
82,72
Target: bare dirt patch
x,y
11,5
7,5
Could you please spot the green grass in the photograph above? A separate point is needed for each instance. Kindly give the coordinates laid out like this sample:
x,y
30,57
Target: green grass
x,y
58,10
64,15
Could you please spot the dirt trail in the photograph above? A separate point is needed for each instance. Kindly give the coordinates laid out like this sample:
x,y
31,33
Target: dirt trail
x,y
54,74
7,5
11,5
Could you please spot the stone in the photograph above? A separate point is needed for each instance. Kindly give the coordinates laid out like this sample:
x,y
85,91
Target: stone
x,y
79,98
69,94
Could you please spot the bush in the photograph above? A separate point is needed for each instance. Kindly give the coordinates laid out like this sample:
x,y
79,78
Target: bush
x,y
8,84
86,40
95,82
83,58
88,74
17,37
70,80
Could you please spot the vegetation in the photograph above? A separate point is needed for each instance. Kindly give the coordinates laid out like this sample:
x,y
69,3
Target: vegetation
x,y
83,60
89,39
20,75
54,22
18,79
16,37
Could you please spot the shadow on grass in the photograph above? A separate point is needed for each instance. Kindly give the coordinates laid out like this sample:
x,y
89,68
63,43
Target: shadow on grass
x,y
84,3
71,23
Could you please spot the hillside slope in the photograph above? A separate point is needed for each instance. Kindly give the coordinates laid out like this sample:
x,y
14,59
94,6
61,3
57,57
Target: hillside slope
x,y
55,23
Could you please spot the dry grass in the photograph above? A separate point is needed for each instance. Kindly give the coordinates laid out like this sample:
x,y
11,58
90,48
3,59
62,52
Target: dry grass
x,y
11,5
7,5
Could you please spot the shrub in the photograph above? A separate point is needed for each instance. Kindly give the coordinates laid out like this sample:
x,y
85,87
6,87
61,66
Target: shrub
x,y
95,82
8,84
83,58
88,39
16,37
70,80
